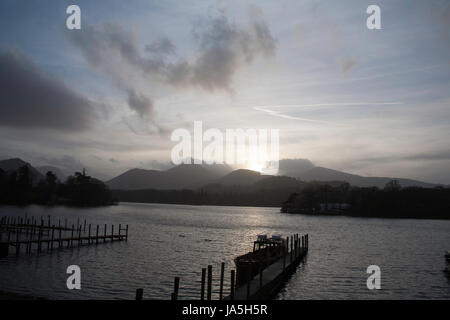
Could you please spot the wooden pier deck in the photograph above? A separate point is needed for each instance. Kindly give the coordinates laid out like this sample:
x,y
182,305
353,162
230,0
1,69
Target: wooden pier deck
x,y
20,232
270,280
263,286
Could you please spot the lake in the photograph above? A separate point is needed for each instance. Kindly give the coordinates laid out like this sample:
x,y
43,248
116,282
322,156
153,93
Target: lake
x,y
179,240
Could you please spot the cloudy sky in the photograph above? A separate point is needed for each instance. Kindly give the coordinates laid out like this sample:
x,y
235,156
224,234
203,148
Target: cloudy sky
x,y
108,96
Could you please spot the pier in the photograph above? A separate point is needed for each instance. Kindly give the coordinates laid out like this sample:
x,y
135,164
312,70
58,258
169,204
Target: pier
x,y
29,233
260,284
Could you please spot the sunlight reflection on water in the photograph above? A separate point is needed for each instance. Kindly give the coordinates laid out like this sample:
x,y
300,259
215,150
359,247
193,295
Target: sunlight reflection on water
x,y
175,240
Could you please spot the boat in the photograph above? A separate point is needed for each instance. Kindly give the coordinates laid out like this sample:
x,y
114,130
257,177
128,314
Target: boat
x,y
265,252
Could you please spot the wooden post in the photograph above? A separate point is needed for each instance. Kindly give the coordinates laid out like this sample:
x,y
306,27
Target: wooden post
x,y
139,293
202,289
84,228
104,238
79,236
120,227
71,237
222,270
284,253
96,236
17,243
40,237
89,236
176,286
53,235
59,238
112,232
209,288
287,245
291,248
126,233
232,285
78,223
249,279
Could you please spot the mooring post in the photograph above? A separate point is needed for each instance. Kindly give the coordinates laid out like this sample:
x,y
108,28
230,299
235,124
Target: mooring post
x,y
89,236
17,243
112,232
78,222
53,235
84,228
209,288
48,242
71,236
292,245
96,236
59,240
120,227
249,279
126,233
40,236
222,271
202,288
139,294
284,253
176,286
232,285
79,236
104,238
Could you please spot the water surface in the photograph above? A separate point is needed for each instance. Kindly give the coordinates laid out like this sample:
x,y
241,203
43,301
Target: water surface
x,y
176,240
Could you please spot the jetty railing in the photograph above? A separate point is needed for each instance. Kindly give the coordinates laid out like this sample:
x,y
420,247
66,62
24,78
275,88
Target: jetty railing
x,y
262,286
18,232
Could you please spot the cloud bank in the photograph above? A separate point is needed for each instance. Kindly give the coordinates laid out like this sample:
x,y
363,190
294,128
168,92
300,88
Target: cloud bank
x,y
32,99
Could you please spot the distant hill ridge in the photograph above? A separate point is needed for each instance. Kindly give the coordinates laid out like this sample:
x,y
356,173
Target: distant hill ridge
x,y
195,176
293,172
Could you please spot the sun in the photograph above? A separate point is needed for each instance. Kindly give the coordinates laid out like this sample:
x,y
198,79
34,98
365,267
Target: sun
x,y
255,166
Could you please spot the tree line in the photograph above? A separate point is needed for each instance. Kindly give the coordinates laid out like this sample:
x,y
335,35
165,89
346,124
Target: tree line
x,y
390,201
21,187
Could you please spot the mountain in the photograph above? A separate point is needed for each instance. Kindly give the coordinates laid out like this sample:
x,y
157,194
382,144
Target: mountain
x,y
294,167
15,164
56,171
240,177
325,174
184,176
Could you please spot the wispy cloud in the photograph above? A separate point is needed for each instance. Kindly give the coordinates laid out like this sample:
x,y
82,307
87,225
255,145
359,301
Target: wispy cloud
x,y
281,115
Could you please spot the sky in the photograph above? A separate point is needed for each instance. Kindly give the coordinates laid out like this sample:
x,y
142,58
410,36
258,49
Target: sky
x,y
107,97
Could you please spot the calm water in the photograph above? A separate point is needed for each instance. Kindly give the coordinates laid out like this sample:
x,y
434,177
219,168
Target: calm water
x,y
174,240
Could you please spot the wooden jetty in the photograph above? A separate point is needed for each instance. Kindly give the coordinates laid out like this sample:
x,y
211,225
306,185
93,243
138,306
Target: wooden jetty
x,y
28,232
261,285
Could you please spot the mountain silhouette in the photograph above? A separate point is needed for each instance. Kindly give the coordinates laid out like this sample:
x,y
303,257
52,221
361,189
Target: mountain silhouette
x,y
184,176
294,171
325,174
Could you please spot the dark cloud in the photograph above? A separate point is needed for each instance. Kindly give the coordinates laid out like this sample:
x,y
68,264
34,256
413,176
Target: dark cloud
x,y
141,104
222,49
31,99
162,46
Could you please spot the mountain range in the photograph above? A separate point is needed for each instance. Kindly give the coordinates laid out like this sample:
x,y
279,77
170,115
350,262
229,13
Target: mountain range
x,y
293,172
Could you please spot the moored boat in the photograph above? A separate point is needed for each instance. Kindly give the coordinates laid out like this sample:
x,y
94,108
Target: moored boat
x,y
265,252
